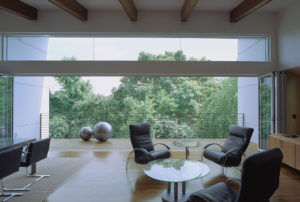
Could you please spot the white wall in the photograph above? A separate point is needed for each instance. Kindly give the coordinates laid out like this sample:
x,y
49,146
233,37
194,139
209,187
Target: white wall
x,y
28,99
248,87
149,22
289,37
248,103
31,97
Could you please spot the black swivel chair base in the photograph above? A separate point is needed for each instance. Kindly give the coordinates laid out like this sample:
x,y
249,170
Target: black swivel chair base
x,y
3,188
26,188
39,177
10,195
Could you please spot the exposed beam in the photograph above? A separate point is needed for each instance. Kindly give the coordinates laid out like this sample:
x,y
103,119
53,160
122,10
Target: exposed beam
x,y
246,8
19,8
72,7
129,8
187,9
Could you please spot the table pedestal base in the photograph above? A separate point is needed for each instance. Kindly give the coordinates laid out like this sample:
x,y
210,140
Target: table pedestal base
x,y
169,196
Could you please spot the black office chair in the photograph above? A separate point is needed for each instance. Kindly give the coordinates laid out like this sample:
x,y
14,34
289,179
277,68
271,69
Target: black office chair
x,y
143,147
35,152
233,149
260,179
9,164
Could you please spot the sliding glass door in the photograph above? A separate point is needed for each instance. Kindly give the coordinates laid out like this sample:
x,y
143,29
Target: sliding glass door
x,y
271,106
266,109
6,102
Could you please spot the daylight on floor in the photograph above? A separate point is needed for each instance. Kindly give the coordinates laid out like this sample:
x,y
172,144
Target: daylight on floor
x,y
152,100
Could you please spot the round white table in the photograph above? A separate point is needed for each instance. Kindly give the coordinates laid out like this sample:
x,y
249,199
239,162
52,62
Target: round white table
x,y
175,171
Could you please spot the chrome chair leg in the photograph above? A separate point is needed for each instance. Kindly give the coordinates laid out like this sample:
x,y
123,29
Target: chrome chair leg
x,y
201,158
10,195
128,158
13,189
39,177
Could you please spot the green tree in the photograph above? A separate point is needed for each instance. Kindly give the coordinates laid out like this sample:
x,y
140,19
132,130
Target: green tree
x,y
67,58
63,102
175,106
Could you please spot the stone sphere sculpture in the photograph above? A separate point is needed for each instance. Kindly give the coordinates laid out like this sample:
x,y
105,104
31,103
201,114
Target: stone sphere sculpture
x,y
85,133
102,131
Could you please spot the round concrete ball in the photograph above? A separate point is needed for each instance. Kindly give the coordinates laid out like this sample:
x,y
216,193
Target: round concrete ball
x,y
102,131
85,133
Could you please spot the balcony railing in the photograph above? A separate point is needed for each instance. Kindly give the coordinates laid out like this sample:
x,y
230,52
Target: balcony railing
x,y
198,125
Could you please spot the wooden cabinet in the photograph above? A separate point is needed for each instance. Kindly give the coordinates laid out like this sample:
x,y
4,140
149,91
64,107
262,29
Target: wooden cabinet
x,y
289,153
298,157
274,142
290,148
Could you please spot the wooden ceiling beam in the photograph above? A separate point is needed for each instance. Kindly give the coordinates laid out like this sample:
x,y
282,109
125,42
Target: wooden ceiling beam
x,y
246,8
187,9
129,8
72,7
19,8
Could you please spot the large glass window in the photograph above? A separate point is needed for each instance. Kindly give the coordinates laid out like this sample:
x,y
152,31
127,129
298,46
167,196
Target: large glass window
x,y
26,48
137,48
176,107
5,106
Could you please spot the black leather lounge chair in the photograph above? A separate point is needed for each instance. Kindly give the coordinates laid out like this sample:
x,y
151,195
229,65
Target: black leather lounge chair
x,y
260,179
143,147
230,154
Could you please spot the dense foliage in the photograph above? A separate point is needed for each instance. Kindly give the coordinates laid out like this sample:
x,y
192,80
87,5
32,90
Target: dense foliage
x,y
6,100
184,107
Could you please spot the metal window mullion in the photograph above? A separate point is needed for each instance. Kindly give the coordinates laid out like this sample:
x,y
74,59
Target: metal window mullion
x,y
273,103
1,47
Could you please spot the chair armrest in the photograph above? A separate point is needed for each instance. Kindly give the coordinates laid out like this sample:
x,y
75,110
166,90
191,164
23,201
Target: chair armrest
x,y
210,144
229,152
234,150
163,145
146,153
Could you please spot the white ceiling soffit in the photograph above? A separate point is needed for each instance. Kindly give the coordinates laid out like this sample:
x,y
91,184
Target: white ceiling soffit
x,y
174,5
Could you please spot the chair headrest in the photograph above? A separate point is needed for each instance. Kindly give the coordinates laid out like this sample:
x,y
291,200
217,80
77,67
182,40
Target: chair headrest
x,y
139,128
241,131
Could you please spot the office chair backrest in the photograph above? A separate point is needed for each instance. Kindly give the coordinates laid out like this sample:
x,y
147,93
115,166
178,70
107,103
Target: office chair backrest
x,y
10,161
38,150
260,176
239,138
140,136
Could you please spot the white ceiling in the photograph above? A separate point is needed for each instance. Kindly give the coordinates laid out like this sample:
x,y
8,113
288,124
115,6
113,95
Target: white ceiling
x,y
207,5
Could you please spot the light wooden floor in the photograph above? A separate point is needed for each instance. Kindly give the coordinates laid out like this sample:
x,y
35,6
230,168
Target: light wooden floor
x,y
95,171
105,177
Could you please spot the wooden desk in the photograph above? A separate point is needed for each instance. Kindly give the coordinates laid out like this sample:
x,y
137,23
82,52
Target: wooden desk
x,y
290,148
6,143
